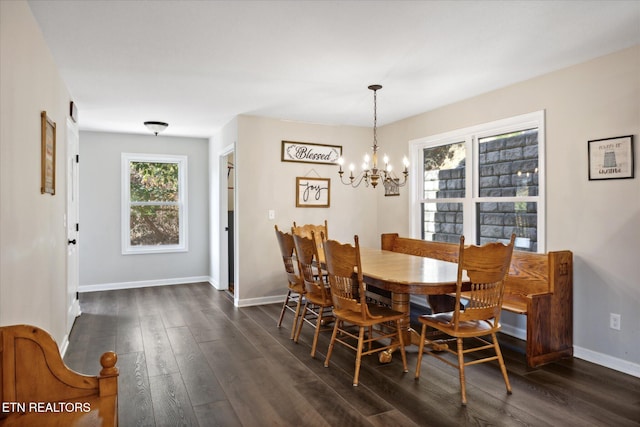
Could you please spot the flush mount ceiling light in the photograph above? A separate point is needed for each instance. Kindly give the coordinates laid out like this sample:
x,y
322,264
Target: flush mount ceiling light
x,y
156,127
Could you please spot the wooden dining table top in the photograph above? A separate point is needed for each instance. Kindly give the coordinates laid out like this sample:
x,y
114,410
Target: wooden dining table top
x,y
408,274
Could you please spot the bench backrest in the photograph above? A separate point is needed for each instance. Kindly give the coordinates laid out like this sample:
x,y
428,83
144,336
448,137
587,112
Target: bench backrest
x,y
530,273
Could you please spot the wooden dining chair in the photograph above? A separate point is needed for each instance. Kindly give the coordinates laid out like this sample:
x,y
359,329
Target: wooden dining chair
x,y
295,292
350,308
317,232
487,268
317,306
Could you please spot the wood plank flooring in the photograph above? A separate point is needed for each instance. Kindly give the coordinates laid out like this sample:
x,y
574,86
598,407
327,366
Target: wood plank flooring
x,y
188,357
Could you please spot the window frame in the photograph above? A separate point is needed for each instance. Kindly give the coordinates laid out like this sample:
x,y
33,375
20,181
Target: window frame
x,y
471,137
126,204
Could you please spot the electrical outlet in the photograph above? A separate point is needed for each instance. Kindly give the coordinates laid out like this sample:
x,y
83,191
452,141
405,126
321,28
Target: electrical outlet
x,y
614,321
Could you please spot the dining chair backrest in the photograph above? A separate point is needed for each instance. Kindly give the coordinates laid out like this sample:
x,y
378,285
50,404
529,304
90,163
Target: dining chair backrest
x,y
317,232
307,254
287,250
344,269
487,268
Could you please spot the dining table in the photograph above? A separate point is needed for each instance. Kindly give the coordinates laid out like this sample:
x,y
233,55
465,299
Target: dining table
x,y
405,275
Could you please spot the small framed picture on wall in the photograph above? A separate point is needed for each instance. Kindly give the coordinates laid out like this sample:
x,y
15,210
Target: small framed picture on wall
x,y
313,192
48,156
611,158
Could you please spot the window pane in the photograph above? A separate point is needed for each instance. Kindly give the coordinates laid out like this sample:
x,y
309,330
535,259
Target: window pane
x,y
498,220
509,164
442,222
154,225
157,182
444,171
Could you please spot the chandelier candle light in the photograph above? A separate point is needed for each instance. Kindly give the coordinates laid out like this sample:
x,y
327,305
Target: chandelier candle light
x,y
371,174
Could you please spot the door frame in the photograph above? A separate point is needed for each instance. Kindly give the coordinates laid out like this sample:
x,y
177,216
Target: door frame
x,y
223,223
72,218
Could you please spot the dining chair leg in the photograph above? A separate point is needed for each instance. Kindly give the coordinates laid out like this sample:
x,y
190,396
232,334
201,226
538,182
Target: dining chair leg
x,y
503,367
403,353
316,334
296,319
463,389
420,350
301,321
284,308
359,355
331,343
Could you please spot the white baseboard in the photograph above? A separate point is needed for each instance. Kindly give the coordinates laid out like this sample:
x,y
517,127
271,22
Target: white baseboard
x,y
513,331
607,361
142,284
74,311
259,301
64,345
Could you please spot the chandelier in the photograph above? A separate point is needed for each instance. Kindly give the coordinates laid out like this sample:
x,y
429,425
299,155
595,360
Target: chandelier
x,y
370,173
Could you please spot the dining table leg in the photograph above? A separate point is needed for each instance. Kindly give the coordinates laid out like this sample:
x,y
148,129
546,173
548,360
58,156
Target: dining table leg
x,y
401,302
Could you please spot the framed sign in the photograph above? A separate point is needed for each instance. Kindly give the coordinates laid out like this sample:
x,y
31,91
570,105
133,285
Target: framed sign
x,y
48,155
313,192
391,188
611,158
306,152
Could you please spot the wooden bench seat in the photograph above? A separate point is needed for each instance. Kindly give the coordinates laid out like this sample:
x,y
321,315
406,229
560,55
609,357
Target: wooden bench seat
x,y
539,286
38,389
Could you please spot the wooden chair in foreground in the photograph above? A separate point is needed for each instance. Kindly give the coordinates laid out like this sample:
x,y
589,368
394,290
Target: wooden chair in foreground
x,y
317,232
38,389
487,268
350,308
318,303
295,293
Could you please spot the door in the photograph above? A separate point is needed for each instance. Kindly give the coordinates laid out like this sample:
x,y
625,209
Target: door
x,y
72,223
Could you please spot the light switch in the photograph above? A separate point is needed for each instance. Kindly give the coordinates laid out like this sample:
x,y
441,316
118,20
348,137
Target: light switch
x,y
272,214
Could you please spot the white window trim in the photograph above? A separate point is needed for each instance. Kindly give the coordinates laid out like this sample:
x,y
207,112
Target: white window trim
x,y
470,136
183,245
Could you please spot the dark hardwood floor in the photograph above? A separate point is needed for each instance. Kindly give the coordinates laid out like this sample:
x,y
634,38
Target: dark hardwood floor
x,y
187,356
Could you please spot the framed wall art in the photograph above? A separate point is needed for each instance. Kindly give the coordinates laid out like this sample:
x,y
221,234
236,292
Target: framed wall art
x,y
306,152
391,188
313,192
611,158
48,156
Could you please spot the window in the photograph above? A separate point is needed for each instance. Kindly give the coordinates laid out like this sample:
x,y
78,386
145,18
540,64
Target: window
x,y
485,182
154,209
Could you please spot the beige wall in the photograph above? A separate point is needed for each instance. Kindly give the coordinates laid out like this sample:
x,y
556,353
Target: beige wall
x,y
598,220
32,234
264,183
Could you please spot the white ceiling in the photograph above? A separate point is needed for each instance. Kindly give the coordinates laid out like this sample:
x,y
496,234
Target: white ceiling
x,y
197,64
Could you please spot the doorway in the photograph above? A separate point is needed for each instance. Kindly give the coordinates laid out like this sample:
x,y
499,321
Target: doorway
x,y
229,159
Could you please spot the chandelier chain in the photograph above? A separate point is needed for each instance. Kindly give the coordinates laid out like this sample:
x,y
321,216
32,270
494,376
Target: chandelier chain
x,y
375,118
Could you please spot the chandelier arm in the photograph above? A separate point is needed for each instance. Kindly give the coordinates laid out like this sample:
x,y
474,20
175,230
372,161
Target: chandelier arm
x,y
355,180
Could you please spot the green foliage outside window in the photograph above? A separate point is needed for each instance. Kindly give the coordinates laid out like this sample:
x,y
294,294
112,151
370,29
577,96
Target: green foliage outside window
x,y
154,213
153,182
